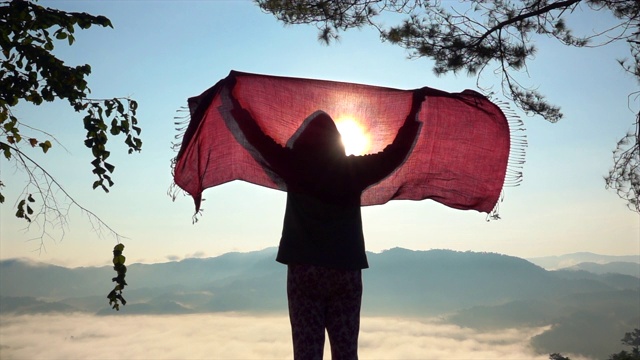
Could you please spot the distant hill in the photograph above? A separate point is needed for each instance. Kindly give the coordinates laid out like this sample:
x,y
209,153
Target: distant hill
x,y
27,278
569,260
441,281
618,281
616,267
480,290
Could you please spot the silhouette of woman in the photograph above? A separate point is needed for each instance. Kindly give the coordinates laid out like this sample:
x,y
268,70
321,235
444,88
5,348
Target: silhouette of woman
x,y
322,241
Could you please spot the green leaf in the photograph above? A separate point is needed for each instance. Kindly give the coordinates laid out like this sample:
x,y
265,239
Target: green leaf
x,y
7,152
108,178
45,146
119,260
115,129
103,21
109,167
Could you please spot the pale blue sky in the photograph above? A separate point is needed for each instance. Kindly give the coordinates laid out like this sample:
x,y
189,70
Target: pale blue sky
x,y
162,52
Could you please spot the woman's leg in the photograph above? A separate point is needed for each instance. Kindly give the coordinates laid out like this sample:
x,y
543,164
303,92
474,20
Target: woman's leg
x,y
342,314
306,312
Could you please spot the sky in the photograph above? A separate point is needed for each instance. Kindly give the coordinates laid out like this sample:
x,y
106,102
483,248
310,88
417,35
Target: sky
x,y
162,52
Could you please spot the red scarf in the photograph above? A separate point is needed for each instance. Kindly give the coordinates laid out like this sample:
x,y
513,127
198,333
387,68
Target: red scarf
x,y
459,159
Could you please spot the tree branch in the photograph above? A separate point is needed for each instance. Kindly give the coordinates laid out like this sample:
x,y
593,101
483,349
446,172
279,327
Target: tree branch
x,y
540,11
45,193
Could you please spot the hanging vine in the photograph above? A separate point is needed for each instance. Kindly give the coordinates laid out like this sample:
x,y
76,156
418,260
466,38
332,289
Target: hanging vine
x,y
118,265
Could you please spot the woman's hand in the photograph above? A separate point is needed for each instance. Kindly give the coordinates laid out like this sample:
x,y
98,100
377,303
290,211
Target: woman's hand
x,y
418,98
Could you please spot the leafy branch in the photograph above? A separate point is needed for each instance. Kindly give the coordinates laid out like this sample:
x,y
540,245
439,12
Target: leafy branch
x,y
118,265
471,35
54,199
624,177
31,74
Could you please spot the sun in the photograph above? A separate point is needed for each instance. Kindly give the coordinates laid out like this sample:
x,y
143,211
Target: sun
x,y
355,139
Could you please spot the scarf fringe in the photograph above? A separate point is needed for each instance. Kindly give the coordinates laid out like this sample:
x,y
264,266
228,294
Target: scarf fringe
x,y
181,123
517,154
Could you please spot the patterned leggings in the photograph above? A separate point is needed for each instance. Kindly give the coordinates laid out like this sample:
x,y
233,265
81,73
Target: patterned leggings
x,y
322,298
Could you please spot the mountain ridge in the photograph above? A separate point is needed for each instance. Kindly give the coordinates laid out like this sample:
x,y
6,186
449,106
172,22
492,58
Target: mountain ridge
x,y
472,289
555,262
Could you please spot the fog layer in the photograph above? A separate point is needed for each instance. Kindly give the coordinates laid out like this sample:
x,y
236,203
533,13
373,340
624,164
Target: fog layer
x,y
238,336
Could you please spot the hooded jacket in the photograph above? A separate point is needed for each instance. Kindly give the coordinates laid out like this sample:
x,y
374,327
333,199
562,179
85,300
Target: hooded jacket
x,y
322,222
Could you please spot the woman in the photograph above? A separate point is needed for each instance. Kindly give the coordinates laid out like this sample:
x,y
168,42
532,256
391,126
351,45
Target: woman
x,y
322,241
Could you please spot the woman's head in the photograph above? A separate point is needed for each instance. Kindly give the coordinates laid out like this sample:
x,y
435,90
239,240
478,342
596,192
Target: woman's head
x,y
319,136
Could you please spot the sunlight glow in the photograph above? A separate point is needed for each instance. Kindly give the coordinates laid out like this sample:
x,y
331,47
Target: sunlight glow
x,y
354,137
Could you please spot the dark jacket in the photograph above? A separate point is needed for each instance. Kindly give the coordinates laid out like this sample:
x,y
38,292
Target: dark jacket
x,y
322,221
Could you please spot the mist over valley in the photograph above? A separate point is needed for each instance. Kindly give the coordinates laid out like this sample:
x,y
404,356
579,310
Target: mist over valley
x,y
583,309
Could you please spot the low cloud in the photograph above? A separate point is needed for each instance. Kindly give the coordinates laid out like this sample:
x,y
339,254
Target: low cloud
x,y
197,255
172,257
237,336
